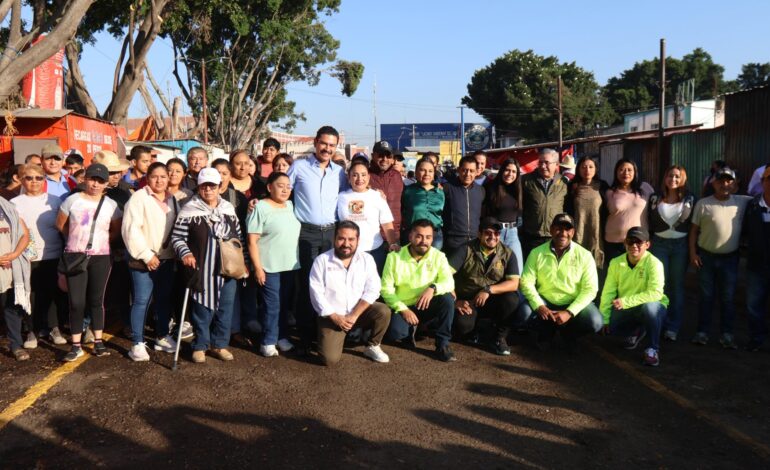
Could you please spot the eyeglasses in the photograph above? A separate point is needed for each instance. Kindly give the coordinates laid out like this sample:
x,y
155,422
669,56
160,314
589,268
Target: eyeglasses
x,y
491,233
34,178
545,163
53,157
633,242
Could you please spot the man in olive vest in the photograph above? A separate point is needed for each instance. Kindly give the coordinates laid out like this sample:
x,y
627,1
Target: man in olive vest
x,y
544,193
486,284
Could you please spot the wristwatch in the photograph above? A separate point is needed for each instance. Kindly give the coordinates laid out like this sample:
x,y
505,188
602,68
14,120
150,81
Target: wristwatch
x,y
433,286
487,289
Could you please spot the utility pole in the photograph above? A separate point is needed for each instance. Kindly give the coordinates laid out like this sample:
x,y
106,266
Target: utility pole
x,y
561,113
413,141
462,131
662,110
205,113
374,106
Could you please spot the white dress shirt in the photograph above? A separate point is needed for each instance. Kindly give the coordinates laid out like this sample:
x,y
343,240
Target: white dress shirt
x,y
336,289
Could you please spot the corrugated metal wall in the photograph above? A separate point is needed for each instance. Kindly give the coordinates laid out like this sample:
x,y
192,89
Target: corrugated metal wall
x,y
695,151
608,157
644,153
747,131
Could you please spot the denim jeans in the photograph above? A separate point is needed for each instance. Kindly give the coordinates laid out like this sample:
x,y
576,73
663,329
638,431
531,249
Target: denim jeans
x,y
649,316
673,253
156,285
757,293
213,328
438,239
587,321
718,275
244,304
441,307
510,238
274,306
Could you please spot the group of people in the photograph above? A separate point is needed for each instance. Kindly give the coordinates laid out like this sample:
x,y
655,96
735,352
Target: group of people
x,y
355,252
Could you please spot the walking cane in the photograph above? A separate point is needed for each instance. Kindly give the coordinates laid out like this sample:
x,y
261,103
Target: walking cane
x,y
181,325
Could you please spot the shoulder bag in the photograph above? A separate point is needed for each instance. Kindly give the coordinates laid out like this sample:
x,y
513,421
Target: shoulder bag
x,y
71,264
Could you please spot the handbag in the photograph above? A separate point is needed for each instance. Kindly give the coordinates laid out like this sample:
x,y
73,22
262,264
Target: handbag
x,y
71,264
231,262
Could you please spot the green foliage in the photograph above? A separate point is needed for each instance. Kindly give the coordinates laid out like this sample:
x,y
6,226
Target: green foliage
x,y
518,91
349,74
754,74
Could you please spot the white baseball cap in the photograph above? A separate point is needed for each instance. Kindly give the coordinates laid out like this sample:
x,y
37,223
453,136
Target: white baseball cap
x,y
209,175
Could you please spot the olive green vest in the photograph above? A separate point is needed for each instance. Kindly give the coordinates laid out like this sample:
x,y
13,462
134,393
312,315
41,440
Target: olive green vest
x,y
540,208
474,274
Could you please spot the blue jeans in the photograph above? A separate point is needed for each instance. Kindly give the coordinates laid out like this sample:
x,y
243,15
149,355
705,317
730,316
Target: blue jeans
x,y
438,239
510,238
718,274
244,304
274,307
673,253
650,316
757,292
587,321
441,307
156,285
213,328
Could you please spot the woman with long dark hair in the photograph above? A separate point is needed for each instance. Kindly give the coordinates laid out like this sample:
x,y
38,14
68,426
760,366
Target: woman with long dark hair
x,y
585,202
670,214
626,206
503,201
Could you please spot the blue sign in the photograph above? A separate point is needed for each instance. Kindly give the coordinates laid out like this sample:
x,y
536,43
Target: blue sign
x,y
399,136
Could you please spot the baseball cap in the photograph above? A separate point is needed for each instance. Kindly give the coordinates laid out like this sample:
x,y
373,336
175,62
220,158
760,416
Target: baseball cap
x,y
382,146
725,172
399,157
638,233
563,219
209,175
97,170
490,222
51,150
360,156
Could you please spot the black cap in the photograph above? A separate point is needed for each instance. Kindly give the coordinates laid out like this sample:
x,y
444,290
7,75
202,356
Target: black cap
x,y
638,233
490,222
97,170
725,172
382,146
563,219
399,157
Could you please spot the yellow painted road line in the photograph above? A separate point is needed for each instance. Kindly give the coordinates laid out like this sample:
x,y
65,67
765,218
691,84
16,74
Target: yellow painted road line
x,y
740,437
15,409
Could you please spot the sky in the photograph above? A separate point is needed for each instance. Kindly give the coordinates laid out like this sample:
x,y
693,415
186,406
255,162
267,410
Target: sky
x,y
422,53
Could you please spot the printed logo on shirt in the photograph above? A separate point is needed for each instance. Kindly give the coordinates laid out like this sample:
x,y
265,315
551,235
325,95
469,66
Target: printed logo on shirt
x,y
356,207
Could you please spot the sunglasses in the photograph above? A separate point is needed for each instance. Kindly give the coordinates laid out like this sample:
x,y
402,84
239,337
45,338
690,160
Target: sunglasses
x,y
53,157
34,178
634,242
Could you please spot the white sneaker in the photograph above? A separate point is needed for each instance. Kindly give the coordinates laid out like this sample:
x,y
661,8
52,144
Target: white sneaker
x,y
138,353
31,341
187,330
56,336
268,350
166,344
376,354
285,345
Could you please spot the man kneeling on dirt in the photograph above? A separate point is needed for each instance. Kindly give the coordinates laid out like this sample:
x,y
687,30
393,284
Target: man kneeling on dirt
x,y
560,283
633,303
486,284
417,284
344,288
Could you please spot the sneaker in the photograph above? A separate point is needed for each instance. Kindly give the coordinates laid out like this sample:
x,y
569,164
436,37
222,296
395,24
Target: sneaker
x,y
100,349
669,335
701,338
285,345
88,336
199,357
753,345
222,354
376,354
76,352
187,330
165,344
56,336
502,348
631,342
21,355
446,354
651,357
138,353
268,350
727,341
31,341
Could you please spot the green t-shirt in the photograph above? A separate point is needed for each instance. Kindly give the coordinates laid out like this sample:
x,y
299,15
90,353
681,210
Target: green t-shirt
x,y
279,236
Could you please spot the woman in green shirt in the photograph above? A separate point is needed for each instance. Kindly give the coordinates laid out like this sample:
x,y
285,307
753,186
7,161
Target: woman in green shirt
x,y
274,251
423,200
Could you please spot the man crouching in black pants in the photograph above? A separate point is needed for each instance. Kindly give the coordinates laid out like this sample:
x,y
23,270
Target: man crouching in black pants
x,y
486,284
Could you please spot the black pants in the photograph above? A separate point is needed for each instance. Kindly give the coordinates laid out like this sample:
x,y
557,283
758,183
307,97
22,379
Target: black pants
x,y
313,240
14,317
118,293
530,242
453,243
49,304
86,293
499,307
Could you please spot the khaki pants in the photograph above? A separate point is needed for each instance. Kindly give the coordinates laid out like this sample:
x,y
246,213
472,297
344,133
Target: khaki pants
x,y
331,338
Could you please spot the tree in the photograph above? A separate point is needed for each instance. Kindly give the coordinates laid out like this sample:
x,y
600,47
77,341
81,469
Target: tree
x,y
637,89
518,92
754,74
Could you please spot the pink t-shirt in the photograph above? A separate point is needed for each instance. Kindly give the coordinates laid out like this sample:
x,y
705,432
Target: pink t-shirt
x,y
80,212
626,210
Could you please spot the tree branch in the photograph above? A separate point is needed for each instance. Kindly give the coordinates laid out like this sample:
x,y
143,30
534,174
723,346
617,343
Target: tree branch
x,y
77,91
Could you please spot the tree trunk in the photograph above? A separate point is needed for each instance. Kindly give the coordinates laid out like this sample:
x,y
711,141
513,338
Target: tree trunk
x,y
78,97
156,116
